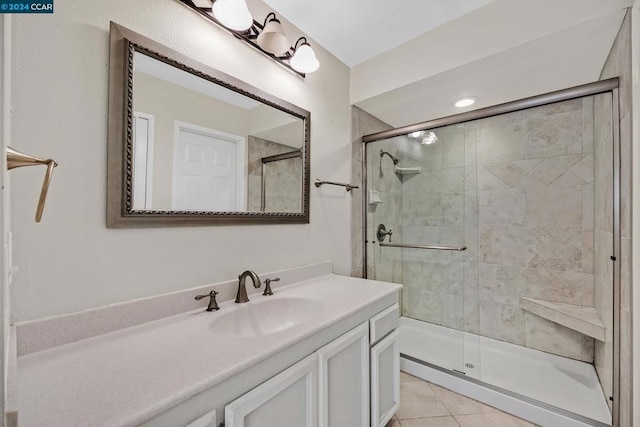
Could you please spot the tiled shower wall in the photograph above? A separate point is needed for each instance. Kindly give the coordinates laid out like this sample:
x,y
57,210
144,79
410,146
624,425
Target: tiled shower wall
x,y
619,65
521,184
433,213
517,189
384,263
282,178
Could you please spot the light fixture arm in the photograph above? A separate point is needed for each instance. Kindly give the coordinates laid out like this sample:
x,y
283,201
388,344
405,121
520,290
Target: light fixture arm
x,y
266,19
298,41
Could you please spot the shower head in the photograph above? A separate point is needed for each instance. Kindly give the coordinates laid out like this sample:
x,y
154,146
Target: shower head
x,y
391,156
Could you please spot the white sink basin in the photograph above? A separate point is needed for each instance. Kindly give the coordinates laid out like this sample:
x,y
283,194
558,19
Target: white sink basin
x,y
265,317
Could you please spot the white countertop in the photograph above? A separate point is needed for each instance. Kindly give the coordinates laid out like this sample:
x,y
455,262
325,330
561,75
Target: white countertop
x,y
126,377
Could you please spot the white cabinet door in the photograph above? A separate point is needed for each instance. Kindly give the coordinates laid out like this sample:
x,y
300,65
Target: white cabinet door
x,y
344,380
287,400
385,380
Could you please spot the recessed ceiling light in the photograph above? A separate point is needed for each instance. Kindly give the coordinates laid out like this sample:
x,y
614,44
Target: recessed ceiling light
x,y
465,102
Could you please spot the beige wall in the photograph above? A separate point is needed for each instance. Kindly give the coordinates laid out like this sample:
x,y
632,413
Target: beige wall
x,y
266,119
619,64
71,261
169,103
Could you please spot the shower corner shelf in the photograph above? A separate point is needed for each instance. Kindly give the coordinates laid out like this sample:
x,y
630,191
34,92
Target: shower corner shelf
x,y
581,319
407,171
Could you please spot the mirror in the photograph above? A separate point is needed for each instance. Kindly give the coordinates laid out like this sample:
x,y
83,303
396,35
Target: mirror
x,y
191,145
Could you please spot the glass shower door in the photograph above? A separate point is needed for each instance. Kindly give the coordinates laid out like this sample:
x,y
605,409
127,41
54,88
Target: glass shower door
x,y
531,195
416,189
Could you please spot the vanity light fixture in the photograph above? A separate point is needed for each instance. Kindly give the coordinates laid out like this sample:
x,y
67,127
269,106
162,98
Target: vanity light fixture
x,y
268,37
233,14
272,38
465,102
304,58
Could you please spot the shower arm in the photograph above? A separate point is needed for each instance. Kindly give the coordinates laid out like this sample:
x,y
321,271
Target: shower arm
x,y
391,156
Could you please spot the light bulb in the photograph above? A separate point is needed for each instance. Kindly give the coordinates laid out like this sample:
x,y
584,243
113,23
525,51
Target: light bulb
x,y
416,134
304,59
233,14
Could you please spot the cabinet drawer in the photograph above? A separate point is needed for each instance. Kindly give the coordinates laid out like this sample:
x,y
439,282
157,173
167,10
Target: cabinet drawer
x,y
207,420
383,323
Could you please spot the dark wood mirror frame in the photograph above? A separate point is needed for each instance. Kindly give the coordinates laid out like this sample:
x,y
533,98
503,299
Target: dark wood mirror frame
x,y
123,44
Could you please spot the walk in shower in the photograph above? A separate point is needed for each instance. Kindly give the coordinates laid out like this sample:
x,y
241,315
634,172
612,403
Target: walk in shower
x,y
501,225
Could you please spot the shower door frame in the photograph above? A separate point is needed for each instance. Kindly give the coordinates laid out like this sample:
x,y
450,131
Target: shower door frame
x,y
603,86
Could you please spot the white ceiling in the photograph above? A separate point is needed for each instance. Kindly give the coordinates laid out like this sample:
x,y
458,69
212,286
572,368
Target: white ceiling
x,y
561,60
148,65
410,59
357,30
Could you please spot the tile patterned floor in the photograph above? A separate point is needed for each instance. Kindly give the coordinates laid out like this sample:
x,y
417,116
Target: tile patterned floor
x,y
423,404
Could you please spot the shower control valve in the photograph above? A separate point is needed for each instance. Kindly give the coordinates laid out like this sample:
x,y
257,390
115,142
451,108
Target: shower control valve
x,y
383,232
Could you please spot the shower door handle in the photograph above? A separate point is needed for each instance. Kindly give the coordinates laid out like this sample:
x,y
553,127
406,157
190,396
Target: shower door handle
x,y
433,247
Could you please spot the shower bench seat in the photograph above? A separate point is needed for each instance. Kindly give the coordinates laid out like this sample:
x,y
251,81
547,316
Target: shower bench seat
x,y
582,319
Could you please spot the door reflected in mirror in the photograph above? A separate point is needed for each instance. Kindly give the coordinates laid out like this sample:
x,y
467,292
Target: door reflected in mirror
x,y
198,146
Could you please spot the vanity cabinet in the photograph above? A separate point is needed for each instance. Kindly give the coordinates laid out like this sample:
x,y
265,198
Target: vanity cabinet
x,y
300,358
353,381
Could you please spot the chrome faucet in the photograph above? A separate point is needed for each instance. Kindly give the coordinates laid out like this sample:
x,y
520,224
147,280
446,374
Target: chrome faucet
x,y
241,296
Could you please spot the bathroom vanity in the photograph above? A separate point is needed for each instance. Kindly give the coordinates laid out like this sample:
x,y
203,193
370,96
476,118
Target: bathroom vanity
x,y
318,352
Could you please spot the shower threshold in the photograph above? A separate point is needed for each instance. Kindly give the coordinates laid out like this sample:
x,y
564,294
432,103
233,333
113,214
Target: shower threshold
x,y
546,389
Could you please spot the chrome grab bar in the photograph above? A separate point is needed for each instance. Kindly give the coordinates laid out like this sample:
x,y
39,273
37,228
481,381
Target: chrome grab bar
x,y
438,248
349,187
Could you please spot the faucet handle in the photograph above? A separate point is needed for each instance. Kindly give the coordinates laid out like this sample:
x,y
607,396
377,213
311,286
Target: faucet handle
x,y
267,287
213,305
